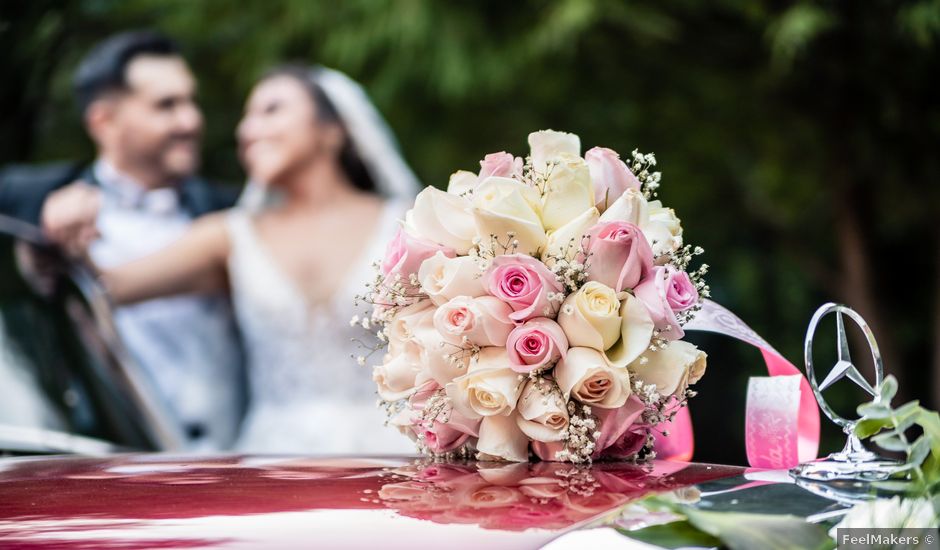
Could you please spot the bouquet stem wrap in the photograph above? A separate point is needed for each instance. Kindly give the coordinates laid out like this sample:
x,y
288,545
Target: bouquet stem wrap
x,y
782,417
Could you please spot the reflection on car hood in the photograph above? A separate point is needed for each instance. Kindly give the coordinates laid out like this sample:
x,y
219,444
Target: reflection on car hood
x,y
162,501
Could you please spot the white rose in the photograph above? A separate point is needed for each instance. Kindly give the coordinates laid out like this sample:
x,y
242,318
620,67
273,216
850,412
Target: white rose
x,y
565,242
672,369
501,438
585,374
629,207
546,145
542,412
442,360
504,206
636,332
462,181
591,317
568,191
443,278
483,321
444,219
403,325
663,230
396,378
489,387
416,352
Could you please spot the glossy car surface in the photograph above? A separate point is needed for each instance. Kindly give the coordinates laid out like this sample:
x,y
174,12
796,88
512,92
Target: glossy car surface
x,y
162,501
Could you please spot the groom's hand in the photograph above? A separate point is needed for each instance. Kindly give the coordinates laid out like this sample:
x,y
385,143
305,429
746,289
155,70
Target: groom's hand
x,y
69,217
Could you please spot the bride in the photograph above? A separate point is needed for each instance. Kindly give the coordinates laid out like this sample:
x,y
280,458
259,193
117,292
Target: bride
x,y
329,189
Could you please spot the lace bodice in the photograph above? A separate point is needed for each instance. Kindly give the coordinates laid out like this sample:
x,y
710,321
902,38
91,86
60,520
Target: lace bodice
x,y
307,394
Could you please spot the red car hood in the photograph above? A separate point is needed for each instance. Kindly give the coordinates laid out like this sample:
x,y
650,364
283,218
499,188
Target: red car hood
x,y
162,501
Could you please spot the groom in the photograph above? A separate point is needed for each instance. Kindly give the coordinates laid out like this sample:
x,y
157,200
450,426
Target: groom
x,y
137,99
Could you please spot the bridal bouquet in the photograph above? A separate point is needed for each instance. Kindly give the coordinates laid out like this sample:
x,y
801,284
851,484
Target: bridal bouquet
x,y
536,307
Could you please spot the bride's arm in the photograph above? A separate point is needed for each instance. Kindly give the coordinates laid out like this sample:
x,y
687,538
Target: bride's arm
x,y
193,264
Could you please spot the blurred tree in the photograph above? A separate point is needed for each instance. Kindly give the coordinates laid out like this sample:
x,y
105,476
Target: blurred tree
x,y
798,140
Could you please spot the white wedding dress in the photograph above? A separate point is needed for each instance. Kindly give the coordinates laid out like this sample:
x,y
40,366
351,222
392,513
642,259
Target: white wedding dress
x,y
306,392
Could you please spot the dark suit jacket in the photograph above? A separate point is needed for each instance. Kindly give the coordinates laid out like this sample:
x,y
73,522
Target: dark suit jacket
x,y
24,188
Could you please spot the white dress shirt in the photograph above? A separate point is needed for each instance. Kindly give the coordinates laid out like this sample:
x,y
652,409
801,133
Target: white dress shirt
x,y
187,345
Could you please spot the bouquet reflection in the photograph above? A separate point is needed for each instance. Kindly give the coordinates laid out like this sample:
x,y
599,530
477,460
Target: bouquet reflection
x,y
514,497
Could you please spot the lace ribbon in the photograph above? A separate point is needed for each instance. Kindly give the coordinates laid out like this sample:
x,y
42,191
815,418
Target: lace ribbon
x,y
782,418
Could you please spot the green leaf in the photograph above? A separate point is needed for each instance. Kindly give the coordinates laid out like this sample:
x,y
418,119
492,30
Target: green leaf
x,y
906,416
766,531
930,422
919,450
677,534
870,426
890,441
874,409
888,388
894,486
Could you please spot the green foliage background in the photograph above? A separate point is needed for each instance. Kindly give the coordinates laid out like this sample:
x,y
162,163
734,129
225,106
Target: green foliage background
x,y
798,141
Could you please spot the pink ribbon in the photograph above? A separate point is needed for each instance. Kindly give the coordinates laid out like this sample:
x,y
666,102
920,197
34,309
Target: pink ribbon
x,y
781,425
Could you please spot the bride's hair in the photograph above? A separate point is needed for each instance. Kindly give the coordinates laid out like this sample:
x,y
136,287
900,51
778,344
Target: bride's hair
x,y
326,112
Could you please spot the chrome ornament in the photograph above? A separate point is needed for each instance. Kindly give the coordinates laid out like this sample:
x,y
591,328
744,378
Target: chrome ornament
x,y
854,461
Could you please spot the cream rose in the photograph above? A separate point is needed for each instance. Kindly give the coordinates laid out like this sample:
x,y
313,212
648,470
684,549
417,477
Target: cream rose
x,y
663,229
443,218
501,438
672,369
546,145
585,374
483,321
636,331
567,192
489,387
542,412
566,241
591,317
443,278
461,182
629,207
504,207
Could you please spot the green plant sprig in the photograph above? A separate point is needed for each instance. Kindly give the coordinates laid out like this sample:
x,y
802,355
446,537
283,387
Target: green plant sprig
x,y
887,428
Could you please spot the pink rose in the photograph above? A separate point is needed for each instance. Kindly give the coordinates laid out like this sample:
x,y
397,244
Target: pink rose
x,y
666,292
440,437
536,344
500,164
405,254
443,472
615,423
680,292
619,255
524,283
616,428
484,321
610,176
